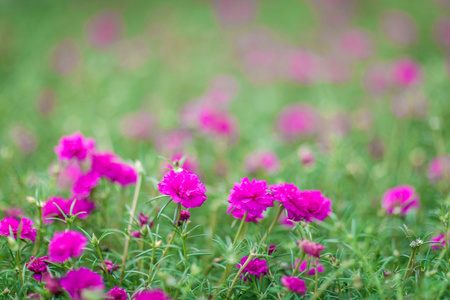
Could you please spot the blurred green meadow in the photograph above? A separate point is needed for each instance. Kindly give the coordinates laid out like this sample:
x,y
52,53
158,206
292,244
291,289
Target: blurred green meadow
x,y
62,70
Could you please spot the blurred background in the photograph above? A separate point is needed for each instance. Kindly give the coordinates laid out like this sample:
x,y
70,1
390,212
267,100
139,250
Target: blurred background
x,y
357,88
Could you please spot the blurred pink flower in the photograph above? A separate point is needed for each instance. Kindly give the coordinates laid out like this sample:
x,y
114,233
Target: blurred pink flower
x,y
65,245
262,160
298,120
306,156
285,221
410,103
439,168
25,140
399,27
233,13
438,241
66,57
46,102
104,29
68,174
83,279
116,293
239,214
190,163
406,72
84,184
400,200
442,31
217,123
109,165
294,284
138,126
356,43
302,66
151,295
313,268
82,208
14,212
21,229
376,79
110,266
74,146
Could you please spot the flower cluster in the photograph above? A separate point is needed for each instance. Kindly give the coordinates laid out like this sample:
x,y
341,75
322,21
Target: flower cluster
x,y
65,245
257,267
20,228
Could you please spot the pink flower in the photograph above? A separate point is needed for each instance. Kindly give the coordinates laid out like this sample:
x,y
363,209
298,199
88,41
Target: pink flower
x,y
184,216
255,267
109,166
272,248
314,267
116,293
217,123
83,279
284,220
144,220
138,126
439,168
438,241
110,266
306,156
290,196
298,120
74,146
239,214
183,187
317,206
406,72
81,208
151,295
266,161
52,284
376,80
104,29
400,200
399,27
310,248
250,196
65,245
68,175
22,229
294,284
84,184
15,212
38,265
190,163
356,43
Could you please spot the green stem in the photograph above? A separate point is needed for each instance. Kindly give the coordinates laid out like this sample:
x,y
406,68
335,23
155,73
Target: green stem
x,y
127,239
103,263
274,222
39,234
240,228
316,281
184,237
19,267
331,278
241,269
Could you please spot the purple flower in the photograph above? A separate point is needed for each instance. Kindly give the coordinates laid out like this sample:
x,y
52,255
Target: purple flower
x,y
110,266
183,187
255,267
285,221
151,295
400,200
65,245
290,196
239,214
116,294
250,196
109,166
315,267
136,234
272,248
81,208
77,281
15,212
438,241
310,248
74,146
22,228
184,216
259,160
144,220
83,185
294,284
38,265
439,168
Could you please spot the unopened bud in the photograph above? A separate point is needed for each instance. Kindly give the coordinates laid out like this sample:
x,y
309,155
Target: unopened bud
x,y
158,244
31,200
94,240
13,245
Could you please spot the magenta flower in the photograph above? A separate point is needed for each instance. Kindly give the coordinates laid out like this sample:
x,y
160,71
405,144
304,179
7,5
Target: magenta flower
x,y
310,248
52,284
306,156
400,200
313,268
38,265
151,295
81,208
298,120
406,72
190,163
83,279
317,206
239,214
110,266
266,161
74,146
184,216
116,293
439,168
144,220
217,123
284,220
14,212
22,229
65,245
294,284
291,199
255,267
109,166
68,175
250,196
183,187
272,248
438,241
84,184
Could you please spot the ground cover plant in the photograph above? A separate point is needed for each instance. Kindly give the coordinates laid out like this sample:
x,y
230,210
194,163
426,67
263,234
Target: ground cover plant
x,y
224,149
